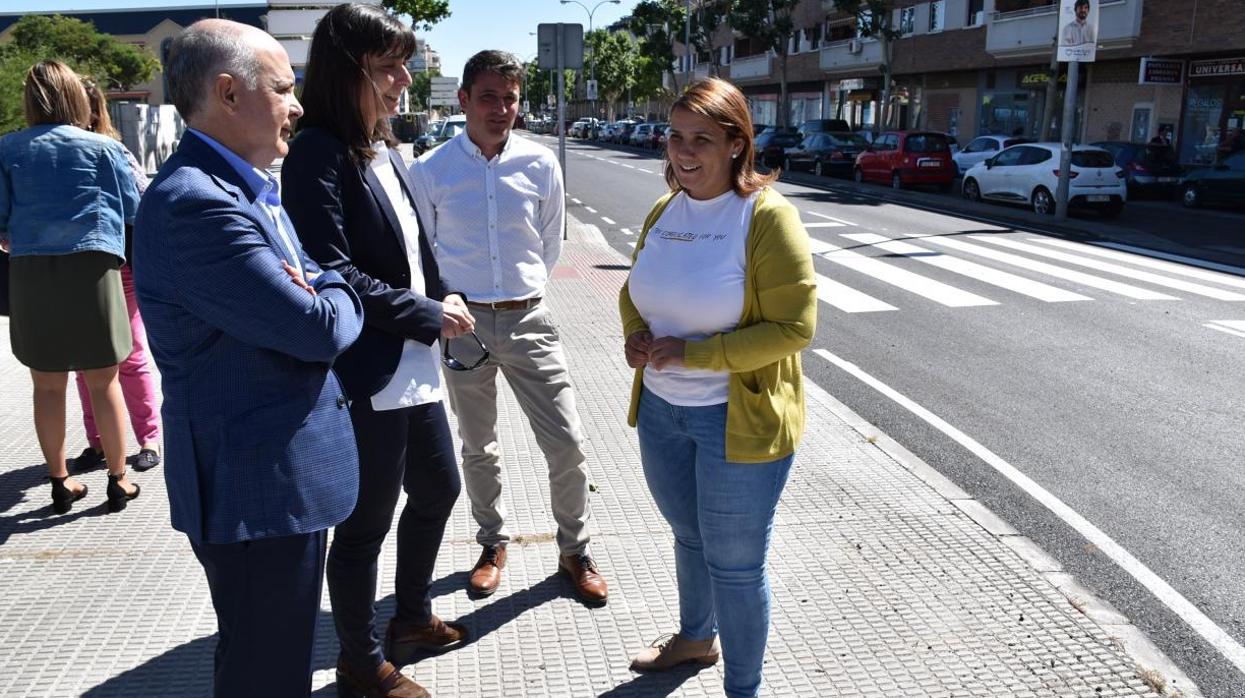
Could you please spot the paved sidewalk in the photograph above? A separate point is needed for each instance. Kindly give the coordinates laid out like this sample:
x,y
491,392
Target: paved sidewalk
x,y
885,583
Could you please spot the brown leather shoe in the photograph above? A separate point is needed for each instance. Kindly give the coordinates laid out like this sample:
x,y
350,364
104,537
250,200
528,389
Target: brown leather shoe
x,y
669,651
404,640
385,682
588,583
486,575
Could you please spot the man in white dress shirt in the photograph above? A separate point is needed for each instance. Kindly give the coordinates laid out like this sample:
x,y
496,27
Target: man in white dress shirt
x,y
1079,31
493,205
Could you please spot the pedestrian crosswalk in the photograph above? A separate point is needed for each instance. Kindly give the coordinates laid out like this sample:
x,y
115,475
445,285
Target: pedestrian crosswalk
x,y
868,272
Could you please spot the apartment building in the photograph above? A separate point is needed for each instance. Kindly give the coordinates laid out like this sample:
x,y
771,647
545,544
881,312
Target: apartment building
x,y
969,67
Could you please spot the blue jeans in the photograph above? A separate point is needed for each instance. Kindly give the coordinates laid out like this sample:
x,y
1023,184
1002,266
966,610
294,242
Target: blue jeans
x,y
721,514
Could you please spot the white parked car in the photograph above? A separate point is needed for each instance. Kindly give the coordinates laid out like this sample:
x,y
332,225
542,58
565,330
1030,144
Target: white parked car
x,y
983,147
1029,174
639,135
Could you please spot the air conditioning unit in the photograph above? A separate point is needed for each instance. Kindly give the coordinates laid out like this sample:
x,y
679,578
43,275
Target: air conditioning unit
x,y
855,46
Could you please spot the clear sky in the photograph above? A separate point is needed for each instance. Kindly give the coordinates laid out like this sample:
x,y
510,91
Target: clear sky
x,y
474,25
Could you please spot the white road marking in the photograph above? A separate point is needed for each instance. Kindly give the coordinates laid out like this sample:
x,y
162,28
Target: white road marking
x,y
1198,621
631,244
826,224
848,299
1099,265
973,270
1235,327
1229,268
575,201
1144,261
1082,278
627,231
936,291
831,218
607,220
590,209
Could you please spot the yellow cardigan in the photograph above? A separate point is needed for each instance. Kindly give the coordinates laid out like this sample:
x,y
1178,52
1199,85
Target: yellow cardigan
x,y
765,395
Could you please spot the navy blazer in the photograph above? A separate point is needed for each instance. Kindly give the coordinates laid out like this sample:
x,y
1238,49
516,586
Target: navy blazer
x,y
258,441
347,224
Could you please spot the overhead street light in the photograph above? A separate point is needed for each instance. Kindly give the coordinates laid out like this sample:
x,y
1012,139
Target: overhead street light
x,y
592,67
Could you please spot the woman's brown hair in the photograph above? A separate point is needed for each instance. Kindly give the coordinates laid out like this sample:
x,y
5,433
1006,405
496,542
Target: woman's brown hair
x,y
101,120
55,95
723,103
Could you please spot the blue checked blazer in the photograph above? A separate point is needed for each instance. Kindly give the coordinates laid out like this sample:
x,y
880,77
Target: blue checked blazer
x,y
258,441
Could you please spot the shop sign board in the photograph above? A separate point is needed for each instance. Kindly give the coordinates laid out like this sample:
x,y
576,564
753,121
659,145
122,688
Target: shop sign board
x,y
1161,71
1078,30
1217,68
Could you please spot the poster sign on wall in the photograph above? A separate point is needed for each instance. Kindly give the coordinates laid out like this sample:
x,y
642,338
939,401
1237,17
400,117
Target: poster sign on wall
x,y
1161,71
1078,30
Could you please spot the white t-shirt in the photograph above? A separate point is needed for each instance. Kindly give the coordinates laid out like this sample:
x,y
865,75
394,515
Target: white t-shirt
x,y
417,379
688,282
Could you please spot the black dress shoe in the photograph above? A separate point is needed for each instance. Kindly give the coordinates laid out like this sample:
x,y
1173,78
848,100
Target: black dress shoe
x,y
145,460
89,460
63,497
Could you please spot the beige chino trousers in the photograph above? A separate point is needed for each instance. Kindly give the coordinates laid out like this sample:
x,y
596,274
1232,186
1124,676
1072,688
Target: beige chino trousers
x,y
524,345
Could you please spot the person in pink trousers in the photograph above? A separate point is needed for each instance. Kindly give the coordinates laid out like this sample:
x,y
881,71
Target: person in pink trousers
x,y
137,385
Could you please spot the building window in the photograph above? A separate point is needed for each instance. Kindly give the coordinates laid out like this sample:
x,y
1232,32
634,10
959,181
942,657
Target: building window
x,y
976,13
907,20
1002,6
937,15
864,23
840,32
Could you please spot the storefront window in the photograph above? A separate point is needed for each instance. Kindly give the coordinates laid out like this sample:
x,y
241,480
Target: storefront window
x,y
1203,111
1004,114
937,15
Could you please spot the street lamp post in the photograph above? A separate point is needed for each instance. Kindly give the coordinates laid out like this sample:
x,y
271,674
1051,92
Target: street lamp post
x,y
592,67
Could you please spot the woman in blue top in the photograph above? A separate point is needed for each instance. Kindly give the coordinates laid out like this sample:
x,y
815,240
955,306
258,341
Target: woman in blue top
x,y
65,196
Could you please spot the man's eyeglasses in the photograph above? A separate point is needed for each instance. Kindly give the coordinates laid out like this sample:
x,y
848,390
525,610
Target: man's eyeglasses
x,y
454,364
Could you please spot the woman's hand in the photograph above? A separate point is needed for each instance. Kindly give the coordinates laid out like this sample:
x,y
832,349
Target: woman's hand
x,y
666,351
637,348
456,320
297,278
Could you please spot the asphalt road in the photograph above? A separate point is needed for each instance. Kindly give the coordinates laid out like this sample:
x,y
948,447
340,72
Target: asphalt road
x,y
1118,390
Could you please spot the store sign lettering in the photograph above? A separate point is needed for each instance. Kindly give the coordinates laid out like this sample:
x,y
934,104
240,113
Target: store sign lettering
x,y
1210,69
1156,71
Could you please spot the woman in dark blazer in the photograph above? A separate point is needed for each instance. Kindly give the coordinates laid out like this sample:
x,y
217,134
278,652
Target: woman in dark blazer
x,y
348,195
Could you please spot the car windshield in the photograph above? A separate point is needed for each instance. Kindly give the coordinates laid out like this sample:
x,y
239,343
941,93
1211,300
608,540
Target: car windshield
x,y
848,140
1092,158
926,143
451,129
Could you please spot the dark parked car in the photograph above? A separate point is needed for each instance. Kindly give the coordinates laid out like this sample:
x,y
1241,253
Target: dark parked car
x,y
622,135
654,136
772,145
1148,167
825,153
1223,183
903,158
813,125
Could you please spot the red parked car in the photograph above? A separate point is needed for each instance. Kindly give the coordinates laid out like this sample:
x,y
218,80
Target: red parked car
x,y
905,158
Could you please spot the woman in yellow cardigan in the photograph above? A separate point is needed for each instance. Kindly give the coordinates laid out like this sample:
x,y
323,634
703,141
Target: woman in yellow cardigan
x,y
720,300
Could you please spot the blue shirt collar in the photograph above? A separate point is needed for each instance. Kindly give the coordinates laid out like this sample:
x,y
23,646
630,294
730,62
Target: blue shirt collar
x,y
263,185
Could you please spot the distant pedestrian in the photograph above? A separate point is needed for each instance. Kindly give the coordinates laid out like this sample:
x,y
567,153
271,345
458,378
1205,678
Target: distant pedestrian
x,y
348,194
137,385
260,453
492,204
65,196
720,301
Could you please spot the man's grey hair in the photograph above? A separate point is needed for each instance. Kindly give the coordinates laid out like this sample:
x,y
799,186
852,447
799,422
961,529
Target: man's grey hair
x,y
200,53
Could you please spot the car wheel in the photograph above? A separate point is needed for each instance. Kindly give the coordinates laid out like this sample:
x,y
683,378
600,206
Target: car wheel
x,y
896,181
858,175
817,168
971,191
1043,202
1189,197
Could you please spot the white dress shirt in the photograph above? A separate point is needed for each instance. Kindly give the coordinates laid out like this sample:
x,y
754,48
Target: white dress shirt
x,y
417,379
496,224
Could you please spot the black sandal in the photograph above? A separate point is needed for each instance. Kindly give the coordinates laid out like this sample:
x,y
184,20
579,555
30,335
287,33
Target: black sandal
x,y
117,496
63,497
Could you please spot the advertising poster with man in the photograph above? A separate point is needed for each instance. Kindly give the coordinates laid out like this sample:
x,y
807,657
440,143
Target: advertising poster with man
x,y
1078,30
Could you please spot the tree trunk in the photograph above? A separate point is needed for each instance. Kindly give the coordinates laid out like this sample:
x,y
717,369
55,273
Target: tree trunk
x,y
784,108
884,112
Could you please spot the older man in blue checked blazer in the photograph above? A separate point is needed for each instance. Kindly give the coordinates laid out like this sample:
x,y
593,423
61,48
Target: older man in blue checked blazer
x,y
244,327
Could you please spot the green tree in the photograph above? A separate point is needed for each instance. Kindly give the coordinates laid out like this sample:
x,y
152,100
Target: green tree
x,y
423,13
421,88
13,67
874,19
100,56
769,23
617,56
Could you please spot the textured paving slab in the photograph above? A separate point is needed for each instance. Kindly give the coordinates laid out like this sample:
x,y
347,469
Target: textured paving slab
x,y
882,587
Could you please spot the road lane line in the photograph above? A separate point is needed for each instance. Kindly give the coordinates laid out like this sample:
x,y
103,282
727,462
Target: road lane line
x,y
1110,268
590,209
825,224
832,218
575,201
936,291
1168,596
848,299
1193,261
627,231
1136,292
973,270
1235,327
607,220
1144,261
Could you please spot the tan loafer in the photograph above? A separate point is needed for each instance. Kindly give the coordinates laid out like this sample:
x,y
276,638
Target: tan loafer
x,y
671,650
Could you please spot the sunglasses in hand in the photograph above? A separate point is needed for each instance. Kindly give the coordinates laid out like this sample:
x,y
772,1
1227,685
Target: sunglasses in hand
x,y
454,364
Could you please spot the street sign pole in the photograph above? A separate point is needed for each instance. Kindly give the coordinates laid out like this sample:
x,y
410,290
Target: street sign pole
x,y
557,49
1067,129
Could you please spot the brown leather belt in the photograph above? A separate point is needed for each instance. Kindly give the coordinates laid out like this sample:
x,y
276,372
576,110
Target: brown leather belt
x,y
525,304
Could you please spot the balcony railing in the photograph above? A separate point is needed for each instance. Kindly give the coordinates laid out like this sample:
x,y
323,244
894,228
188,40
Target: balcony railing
x,y
759,66
1030,32
850,56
